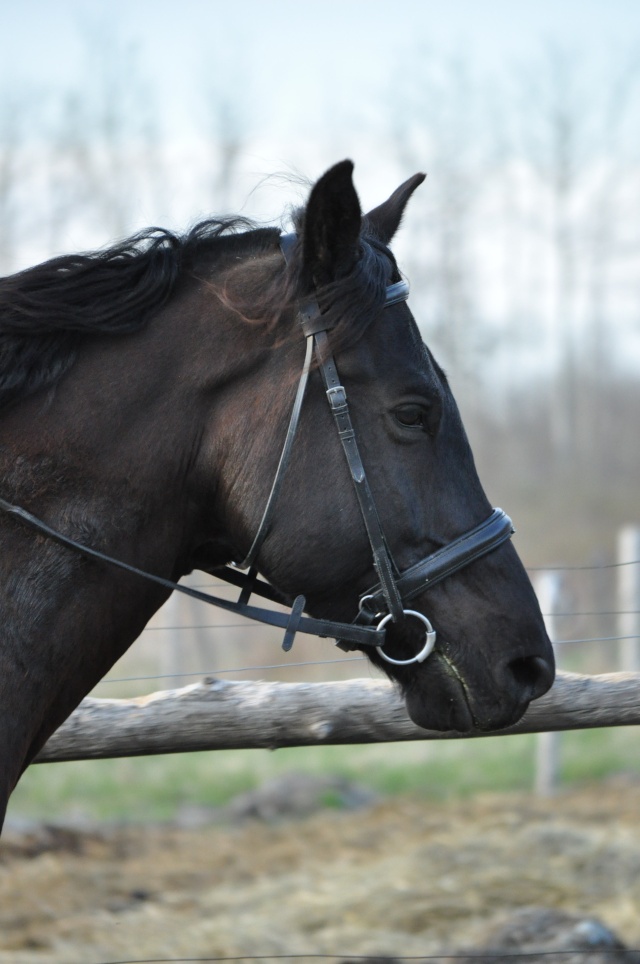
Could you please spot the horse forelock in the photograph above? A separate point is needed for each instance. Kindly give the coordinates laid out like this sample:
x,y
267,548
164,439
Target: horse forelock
x,y
352,301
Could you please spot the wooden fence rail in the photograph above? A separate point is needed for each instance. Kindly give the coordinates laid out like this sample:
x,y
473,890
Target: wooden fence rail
x,y
223,715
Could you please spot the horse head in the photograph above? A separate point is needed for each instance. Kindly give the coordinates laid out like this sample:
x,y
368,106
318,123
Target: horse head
x,y
492,655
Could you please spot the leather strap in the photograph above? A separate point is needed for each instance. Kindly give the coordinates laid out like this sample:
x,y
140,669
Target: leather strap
x,y
359,635
474,544
337,397
283,463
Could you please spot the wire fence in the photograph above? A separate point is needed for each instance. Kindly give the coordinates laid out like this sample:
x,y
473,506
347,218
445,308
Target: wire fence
x,y
483,957
177,629
255,632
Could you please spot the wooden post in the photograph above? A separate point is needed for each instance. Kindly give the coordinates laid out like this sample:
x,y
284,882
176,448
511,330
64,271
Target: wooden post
x,y
628,622
223,715
548,585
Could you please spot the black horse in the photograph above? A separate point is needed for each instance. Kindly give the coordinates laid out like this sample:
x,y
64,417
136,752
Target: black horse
x,y
146,391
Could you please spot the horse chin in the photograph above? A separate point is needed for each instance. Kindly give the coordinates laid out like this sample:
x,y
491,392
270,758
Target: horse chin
x,y
439,702
440,699
448,715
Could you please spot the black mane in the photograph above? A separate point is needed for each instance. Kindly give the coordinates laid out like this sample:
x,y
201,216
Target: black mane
x,y
48,310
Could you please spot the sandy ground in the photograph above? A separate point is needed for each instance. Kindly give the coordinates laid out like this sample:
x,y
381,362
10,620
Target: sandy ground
x,y
395,877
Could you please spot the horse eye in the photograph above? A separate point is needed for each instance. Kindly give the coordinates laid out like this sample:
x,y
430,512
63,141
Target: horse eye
x,y
412,416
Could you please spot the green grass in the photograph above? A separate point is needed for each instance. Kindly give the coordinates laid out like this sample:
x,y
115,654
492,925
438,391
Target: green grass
x,y
154,788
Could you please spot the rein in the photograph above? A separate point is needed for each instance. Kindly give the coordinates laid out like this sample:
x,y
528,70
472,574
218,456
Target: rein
x,y
381,604
291,623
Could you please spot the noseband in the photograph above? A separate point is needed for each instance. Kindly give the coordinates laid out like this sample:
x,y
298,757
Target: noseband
x,y
386,601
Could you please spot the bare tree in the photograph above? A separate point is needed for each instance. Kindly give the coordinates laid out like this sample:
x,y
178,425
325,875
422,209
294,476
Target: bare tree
x,y
436,122
572,135
105,153
226,128
12,168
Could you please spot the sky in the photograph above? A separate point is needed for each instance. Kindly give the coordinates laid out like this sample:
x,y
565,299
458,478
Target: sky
x,y
296,46
296,66
304,78
307,81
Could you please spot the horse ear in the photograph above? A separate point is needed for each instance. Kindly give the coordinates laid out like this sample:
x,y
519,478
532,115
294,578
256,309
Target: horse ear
x,y
332,224
385,220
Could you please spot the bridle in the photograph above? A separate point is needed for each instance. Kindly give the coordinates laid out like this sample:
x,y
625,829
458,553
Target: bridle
x,y
384,602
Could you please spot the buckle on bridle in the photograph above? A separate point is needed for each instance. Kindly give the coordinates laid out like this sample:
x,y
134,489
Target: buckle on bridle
x,y
337,397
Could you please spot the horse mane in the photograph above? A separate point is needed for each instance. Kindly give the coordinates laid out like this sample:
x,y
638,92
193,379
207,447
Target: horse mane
x,y
47,311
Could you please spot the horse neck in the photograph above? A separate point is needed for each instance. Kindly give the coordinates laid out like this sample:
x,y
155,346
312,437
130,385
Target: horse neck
x,y
106,458
122,455
112,454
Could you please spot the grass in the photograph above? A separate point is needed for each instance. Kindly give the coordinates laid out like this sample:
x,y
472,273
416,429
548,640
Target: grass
x,y
154,788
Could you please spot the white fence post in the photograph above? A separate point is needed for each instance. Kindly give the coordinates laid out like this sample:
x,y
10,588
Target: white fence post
x,y
548,586
629,598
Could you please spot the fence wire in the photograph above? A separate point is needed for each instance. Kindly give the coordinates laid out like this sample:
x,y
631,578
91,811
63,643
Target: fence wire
x,y
485,957
270,667
593,568
247,625
604,565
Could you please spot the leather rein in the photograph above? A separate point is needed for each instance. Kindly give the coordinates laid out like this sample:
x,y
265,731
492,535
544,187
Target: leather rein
x,y
384,602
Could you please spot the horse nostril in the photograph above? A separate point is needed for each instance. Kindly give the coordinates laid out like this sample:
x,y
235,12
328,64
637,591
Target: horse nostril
x,y
533,674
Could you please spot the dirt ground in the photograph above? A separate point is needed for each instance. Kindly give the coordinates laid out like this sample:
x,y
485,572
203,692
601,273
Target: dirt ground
x,y
395,877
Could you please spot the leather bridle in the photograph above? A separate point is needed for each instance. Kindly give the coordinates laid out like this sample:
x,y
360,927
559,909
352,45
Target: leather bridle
x,y
386,601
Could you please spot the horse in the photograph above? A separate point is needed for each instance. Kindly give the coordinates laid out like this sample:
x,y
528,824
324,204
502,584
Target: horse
x,y
145,393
